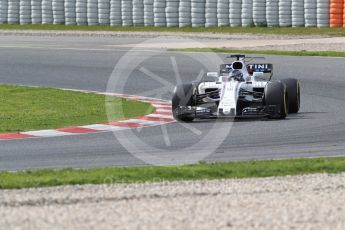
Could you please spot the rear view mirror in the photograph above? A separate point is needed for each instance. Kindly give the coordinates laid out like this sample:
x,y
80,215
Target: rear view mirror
x,y
212,74
261,76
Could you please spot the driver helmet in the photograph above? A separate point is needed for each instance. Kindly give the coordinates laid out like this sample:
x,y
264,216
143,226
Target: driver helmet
x,y
236,74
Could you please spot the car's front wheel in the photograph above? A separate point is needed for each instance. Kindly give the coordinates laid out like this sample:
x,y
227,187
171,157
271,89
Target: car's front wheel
x,y
182,97
276,96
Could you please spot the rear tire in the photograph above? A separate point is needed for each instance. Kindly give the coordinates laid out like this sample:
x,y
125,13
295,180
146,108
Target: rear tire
x,y
276,95
182,97
293,90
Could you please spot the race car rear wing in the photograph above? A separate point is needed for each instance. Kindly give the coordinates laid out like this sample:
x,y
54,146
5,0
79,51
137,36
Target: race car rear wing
x,y
261,72
262,68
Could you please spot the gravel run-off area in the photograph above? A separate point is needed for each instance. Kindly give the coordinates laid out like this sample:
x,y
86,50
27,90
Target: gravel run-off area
x,y
213,40
293,202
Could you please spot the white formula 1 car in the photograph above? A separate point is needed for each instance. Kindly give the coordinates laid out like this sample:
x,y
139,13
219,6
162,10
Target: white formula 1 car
x,y
238,90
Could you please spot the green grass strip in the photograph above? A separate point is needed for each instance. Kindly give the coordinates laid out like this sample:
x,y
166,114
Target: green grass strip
x,y
267,52
242,169
33,108
298,31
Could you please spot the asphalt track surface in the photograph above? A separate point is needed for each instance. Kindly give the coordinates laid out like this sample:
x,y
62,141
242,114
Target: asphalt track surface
x,y
87,63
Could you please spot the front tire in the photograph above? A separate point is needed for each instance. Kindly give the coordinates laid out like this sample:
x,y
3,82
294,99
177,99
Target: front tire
x,y
276,95
293,90
182,97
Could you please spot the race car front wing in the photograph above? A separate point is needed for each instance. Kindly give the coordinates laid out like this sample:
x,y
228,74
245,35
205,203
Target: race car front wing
x,y
206,113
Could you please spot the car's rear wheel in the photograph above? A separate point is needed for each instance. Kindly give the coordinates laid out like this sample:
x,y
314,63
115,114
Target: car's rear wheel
x,y
293,90
276,97
182,97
